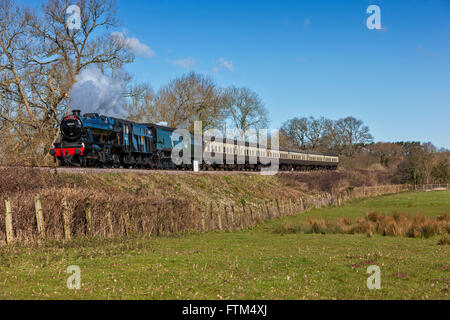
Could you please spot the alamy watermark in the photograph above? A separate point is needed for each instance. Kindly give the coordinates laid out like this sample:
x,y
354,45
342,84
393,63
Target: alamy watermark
x,y
73,20
74,281
374,20
234,148
374,281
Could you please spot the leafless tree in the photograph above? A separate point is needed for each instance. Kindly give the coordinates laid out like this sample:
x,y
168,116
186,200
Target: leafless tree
x,y
61,54
13,64
246,109
141,104
296,130
310,133
40,59
351,134
189,98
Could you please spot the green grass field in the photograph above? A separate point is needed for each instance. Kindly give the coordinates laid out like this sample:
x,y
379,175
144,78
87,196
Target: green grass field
x,y
250,264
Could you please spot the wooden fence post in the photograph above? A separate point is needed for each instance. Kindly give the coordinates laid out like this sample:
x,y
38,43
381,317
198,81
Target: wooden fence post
x,y
8,221
211,217
39,217
232,217
158,226
274,208
226,217
219,217
203,222
278,207
88,214
127,223
66,220
267,210
241,218
244,216
110,223
194,221
249,217
172,218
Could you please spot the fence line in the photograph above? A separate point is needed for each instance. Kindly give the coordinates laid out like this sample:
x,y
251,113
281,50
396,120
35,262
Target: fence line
x,y
168,218
431,187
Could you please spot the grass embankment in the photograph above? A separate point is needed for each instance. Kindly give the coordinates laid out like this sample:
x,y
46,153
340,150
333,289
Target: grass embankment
x,y
153,203
250,264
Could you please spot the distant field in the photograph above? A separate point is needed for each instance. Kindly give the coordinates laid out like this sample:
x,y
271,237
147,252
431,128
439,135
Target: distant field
x,y
430,204
251,264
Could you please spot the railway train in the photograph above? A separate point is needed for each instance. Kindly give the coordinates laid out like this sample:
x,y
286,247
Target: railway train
x,y
93,140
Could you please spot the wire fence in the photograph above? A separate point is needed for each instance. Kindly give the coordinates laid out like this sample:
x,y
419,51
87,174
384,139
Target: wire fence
x,y
432,187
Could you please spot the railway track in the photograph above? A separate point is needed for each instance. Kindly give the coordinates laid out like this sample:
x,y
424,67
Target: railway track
x,y
140,171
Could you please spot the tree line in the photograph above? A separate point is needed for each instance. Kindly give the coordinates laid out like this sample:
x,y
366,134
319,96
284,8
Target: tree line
x,y
196,97
344,136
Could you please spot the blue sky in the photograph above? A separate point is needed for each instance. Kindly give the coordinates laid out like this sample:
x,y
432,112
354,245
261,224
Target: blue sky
x,y
308,58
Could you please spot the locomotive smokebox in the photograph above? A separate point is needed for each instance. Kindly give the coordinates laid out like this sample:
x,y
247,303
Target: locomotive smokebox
x,y
76,113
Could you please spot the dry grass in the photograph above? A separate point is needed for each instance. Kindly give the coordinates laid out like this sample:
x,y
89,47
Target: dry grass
x,y
397,225
445,240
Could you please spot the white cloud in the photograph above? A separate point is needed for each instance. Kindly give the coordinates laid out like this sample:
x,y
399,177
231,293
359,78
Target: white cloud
x,y
135,46
226,64
184,63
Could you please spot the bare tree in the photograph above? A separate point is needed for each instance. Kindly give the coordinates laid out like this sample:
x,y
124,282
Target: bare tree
x,y
141,104
310,133
40,59
13,45
246,109
190,98
297,129
317,132
351,134
60,54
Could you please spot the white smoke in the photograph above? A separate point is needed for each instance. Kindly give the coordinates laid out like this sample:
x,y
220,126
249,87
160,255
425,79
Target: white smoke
x,y
94,92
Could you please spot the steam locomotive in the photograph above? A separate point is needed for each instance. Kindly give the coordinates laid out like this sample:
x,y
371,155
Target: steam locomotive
x,y
93,140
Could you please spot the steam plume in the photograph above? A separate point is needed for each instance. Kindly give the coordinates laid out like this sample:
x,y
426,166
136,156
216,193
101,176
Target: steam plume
x,y
94,92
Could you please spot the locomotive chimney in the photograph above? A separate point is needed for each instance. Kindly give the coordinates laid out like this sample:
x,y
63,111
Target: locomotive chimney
x,y
76,113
